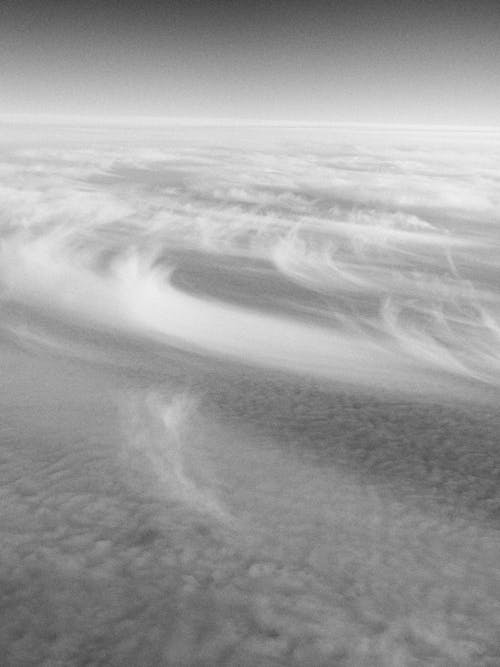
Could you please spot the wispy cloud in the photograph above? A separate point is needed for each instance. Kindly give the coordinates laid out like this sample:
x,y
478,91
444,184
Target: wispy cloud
x,y
154,525
373,222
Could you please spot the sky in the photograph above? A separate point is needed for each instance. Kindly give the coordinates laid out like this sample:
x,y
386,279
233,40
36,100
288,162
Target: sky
x,y
280,60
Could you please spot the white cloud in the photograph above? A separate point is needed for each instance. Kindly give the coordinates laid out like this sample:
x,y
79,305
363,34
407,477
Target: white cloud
x,y
334,229
246,519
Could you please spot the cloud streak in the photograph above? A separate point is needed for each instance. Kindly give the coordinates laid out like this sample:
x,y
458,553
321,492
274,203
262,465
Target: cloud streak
x,y
103,234
228,410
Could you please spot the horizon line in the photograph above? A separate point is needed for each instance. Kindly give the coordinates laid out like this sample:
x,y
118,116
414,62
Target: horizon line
x,y
173,121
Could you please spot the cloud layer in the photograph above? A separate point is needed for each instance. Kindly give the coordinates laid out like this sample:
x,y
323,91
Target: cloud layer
x,y
393,247
230,418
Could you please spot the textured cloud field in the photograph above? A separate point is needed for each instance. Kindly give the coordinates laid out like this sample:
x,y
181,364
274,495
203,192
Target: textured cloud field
x,y
248,403
392,250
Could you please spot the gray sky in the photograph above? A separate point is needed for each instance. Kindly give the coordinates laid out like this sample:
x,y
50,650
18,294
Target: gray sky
x,y
425,63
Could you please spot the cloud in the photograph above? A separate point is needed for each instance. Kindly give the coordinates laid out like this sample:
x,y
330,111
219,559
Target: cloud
x,y
185,541
341,224
198,465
